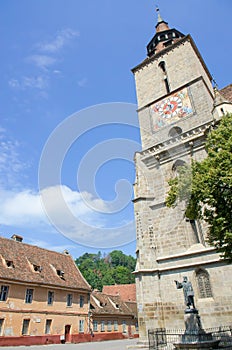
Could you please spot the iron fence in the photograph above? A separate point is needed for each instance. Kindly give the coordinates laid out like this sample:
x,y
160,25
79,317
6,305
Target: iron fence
x,y
163,339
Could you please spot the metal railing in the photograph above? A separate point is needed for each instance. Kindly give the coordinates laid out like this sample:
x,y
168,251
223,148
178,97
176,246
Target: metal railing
x,y
168,339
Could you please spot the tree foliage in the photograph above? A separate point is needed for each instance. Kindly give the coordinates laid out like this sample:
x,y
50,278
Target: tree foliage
x,y
206,188
114,268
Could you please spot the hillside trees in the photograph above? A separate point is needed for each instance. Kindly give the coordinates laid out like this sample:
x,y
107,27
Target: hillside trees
x,y
206,188
114,268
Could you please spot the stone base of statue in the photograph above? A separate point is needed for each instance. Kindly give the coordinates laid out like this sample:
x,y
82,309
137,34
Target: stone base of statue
x,y
194,336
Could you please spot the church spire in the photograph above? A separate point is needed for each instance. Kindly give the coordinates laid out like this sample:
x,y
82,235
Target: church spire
x,y
159,16
164,36
161,24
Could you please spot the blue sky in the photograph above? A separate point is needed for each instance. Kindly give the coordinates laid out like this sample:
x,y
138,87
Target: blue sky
x,y
68,124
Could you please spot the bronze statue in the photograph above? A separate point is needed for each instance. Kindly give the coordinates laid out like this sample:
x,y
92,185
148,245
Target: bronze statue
x,y
188,291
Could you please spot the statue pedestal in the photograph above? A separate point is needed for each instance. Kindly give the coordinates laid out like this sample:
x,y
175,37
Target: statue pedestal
x,y
195,337
192,321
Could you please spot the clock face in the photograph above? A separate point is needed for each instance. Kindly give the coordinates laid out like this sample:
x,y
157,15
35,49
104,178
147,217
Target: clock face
x,y
171,109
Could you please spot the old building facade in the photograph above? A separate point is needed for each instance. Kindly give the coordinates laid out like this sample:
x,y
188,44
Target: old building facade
x,y
112,317
44,299
177,106
43,296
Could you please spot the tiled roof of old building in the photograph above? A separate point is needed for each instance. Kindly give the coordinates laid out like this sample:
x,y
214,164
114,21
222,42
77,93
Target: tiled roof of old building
x,y
102,304
227,92
127,292
30,264
133,306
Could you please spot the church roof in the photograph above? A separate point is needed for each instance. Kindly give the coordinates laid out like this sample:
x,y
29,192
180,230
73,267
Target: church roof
x,y
226,92
24,263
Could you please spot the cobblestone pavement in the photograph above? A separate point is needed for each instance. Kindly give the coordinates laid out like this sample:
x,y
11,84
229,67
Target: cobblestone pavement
x,y
104,345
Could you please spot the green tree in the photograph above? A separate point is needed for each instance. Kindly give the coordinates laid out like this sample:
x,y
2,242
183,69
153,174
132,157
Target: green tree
x,y
206,187
114,268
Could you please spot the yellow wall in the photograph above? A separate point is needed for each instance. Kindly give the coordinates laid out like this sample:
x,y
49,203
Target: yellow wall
x,y
14,310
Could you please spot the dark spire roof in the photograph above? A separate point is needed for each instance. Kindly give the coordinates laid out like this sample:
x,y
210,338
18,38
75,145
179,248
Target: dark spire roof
x,y
164,36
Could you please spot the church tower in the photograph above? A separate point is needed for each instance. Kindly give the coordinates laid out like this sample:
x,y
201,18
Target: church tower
x,y
176,109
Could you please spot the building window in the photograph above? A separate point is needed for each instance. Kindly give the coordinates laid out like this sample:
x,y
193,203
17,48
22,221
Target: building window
x,y
48,326
60,273
165,77
50,297
82,300
69,299
116,326
4,293
25,327
95,326
124,326
29,296
175,131
9,263
102,326
109,326
81,326
203,282
1,325
37,268
178,163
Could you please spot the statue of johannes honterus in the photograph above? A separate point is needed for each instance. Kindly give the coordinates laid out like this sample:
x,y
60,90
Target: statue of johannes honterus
x,y
188,291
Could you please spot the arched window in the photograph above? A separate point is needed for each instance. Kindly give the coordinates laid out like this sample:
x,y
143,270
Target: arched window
x,y
178,163
176,130
163,67
203,284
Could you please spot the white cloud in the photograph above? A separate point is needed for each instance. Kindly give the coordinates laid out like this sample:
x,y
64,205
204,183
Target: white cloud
x,y
60,40
20,208
14,83
36,82
72,217
11,166
42,61
25,207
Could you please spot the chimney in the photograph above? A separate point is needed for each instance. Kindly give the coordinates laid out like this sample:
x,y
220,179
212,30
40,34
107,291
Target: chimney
x,y
17,238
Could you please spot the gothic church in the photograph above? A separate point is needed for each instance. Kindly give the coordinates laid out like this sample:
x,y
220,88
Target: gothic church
x,y
176,107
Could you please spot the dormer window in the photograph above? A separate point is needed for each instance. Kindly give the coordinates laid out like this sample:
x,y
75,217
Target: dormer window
x,y
98,302
115,305
34,266
37,268
60,273
9,263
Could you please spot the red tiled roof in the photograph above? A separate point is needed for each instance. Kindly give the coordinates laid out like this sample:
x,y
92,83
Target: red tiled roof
x,y
24,256
102,304
127,292
227,92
